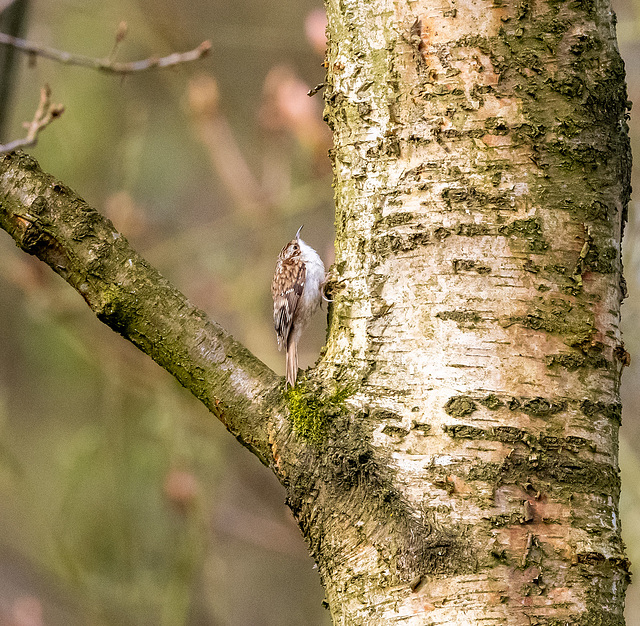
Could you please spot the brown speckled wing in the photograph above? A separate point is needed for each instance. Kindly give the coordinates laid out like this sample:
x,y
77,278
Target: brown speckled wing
x,y
286,289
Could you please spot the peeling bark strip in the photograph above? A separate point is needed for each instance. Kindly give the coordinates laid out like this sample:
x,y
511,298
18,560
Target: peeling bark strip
x,y
482,180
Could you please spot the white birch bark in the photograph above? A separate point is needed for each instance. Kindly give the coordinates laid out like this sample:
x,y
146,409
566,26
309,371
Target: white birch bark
x,y
481,174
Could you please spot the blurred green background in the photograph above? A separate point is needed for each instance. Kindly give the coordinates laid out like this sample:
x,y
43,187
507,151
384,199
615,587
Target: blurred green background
x,y
123,500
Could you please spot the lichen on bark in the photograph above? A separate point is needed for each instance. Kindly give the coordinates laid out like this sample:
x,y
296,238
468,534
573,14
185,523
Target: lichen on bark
x,y
482,181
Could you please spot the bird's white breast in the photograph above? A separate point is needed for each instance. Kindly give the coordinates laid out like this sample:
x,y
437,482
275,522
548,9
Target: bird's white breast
x,y
315,274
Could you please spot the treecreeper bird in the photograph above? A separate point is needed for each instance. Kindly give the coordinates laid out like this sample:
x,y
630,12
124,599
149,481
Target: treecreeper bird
x,y
297,293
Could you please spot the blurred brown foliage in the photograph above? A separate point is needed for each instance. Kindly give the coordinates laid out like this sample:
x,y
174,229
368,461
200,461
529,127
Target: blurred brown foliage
x,y
125,502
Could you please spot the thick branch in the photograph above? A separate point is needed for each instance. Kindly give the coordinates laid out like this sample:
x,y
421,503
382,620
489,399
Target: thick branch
x,y
50,221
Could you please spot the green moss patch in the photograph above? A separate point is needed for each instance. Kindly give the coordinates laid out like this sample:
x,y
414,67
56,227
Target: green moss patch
x,y
460,317
528,230
459,406
310,413
612,411
492,402
573,322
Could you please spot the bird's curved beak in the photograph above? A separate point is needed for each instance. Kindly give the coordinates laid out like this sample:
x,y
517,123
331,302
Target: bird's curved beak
x,y
298,233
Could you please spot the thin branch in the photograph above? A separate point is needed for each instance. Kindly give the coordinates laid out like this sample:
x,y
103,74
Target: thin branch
x,y
48,112
108,64
44,115
121,33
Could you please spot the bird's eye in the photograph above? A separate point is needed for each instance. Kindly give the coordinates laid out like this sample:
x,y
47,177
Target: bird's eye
x,y
295,247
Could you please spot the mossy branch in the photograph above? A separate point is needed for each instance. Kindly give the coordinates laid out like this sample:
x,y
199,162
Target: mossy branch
x,y
48,220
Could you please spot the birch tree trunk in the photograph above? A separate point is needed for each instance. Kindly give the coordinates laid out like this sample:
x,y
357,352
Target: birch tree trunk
x,y
452,459
482,180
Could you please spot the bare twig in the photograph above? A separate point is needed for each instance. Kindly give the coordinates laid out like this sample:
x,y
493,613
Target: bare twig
x,y
106,65
47,112
44,115
121,33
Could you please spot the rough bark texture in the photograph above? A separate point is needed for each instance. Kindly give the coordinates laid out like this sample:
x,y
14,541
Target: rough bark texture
x,y
482,178
48,220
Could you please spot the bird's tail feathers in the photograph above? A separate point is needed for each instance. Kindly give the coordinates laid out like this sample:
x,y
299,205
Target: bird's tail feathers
x,y
292,363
